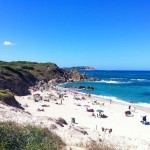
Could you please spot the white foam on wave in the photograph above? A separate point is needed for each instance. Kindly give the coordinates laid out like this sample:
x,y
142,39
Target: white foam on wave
x,y
146,105
139,79
113,98
112,82
116,78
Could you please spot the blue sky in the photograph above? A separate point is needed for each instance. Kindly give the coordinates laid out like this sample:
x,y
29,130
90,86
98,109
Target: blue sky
x,y
110,34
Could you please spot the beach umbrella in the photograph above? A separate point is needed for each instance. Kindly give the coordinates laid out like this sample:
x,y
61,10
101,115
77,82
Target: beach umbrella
x,y
99,110
86,106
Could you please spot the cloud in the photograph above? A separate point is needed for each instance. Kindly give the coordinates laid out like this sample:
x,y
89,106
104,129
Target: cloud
x,y
8,43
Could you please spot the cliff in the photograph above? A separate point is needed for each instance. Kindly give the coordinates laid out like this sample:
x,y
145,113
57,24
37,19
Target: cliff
x,y
20,75
76,76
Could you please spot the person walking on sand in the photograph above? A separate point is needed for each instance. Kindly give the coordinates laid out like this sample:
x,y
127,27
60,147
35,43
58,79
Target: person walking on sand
x,y
129,107
110,101
61,101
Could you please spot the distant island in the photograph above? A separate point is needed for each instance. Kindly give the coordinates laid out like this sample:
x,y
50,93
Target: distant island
x,y
80,68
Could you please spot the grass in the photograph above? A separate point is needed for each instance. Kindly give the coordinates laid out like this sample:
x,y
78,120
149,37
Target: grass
x,y
93,145
16,137
5,94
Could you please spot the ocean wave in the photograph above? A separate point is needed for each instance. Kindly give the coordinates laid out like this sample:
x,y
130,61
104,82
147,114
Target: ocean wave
x,y
112,82
117,78
115,99
139,79
146,105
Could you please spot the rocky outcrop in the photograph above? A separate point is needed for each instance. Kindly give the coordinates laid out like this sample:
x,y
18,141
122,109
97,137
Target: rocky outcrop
x,y
76,76
81,87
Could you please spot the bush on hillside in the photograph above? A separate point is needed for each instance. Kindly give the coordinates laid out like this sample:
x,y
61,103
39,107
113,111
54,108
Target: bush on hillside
x,y
17,137
93,145
8,98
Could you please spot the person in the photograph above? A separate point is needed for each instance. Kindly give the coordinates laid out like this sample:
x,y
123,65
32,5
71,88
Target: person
x,y
134,109
110,101
93,114
99,114
129,107
61,101
83,97
40,109
127,113
89,95
144,119
26,105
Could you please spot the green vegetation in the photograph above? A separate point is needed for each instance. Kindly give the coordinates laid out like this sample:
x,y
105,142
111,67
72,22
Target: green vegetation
x,y
93,145
16,137
20,75
5,95
20,68
8,98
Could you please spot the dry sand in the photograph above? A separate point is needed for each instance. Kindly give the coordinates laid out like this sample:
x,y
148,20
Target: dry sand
x,y
128,133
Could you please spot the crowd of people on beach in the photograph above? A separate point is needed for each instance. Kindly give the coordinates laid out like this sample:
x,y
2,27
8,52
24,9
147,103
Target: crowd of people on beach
x,y
61,94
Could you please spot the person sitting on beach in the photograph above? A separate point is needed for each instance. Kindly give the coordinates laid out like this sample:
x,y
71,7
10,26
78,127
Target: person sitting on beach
x,y
26,105
46,100
144,119
45,105
93,114
128,113
36,100
99,114
90,110
95,102
83,98
40,109
103,116
102,104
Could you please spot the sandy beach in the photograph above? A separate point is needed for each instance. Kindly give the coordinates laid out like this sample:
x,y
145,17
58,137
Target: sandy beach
x,y
127,132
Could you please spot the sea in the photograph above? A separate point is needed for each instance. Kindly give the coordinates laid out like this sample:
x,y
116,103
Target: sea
x,y
120,86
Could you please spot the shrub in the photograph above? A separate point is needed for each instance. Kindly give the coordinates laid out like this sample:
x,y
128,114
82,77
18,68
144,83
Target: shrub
x,y
16,137
93,145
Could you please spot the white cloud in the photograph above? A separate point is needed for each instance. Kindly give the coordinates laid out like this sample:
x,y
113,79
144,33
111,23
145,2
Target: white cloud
x,y
8,43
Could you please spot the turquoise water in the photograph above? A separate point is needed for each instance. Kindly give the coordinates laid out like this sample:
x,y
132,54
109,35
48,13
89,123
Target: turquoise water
x,y
120,85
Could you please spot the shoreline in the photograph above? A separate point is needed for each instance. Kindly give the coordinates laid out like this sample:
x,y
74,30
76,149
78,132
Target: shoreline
x,y
108,98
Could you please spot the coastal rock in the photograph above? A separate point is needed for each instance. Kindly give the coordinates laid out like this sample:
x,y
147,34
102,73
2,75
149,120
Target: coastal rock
x,y
90,88
81,87
76,76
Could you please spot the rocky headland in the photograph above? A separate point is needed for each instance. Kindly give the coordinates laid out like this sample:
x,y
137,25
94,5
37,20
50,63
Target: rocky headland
x,y
18,76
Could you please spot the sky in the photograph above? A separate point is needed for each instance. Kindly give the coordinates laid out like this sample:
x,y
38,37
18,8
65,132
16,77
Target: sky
x,y
105,34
